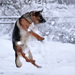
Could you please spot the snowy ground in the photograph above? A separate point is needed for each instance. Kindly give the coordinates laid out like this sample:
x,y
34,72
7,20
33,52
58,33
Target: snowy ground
x,y
55,58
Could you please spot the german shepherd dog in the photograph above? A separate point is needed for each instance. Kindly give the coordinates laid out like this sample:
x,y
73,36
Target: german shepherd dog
x,y
21,33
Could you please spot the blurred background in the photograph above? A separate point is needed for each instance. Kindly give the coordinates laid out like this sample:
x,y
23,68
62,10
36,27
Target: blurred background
x,y
59,15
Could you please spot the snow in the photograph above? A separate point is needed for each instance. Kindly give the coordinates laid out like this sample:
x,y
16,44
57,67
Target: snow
x,y
9,16
19,43
11,22
56,58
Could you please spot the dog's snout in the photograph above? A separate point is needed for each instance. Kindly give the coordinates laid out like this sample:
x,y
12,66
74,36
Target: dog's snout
x,y
44,20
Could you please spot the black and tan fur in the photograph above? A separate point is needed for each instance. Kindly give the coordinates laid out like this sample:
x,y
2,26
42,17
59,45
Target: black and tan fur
x,y
21,33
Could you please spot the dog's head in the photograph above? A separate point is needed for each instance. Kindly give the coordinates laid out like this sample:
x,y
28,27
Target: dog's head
x,y
37,17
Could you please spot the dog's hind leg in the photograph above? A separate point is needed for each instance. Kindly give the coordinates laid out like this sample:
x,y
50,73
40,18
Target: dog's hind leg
x,y
19,51
30,55
29,60
17,60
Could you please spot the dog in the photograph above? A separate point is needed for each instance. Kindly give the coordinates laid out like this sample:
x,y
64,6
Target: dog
x,y
21,32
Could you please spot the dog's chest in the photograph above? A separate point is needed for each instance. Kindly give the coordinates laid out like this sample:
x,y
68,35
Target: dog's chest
x,y
24,35
23,32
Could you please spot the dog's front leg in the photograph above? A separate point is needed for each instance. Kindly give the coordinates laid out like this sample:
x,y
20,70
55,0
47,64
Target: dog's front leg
x,y
25,25
36,35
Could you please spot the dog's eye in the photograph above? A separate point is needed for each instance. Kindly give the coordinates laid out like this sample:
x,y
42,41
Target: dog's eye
x,y
40,16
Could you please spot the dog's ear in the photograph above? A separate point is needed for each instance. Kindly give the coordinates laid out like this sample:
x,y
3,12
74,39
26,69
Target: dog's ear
x,y
38,12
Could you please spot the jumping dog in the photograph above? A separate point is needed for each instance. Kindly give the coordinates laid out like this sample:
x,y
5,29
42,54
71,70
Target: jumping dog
x,y
21,33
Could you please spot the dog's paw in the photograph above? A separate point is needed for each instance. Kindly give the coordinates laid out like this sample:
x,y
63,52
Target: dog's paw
x,y
39,67
41,40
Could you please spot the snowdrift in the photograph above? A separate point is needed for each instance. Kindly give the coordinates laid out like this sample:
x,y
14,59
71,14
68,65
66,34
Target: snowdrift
x,y
55,58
